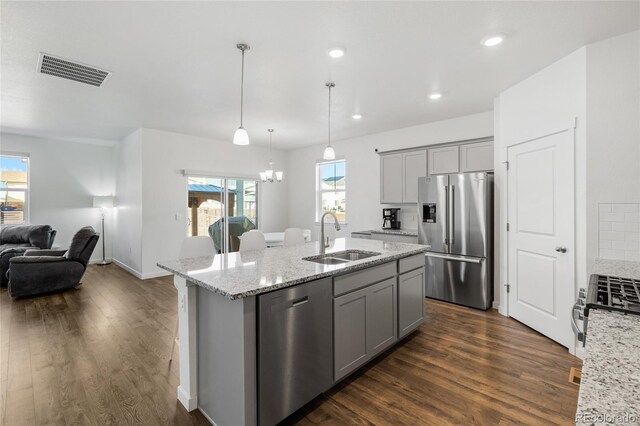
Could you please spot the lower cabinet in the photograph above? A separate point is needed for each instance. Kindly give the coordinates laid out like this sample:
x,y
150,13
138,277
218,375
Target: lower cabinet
x,y
410,301
365,324
350,341
381,316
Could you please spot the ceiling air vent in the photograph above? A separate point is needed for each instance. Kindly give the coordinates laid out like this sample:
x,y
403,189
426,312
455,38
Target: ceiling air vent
x,y
59,67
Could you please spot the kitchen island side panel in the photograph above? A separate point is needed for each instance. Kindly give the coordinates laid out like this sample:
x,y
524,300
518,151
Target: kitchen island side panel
x,y
227,385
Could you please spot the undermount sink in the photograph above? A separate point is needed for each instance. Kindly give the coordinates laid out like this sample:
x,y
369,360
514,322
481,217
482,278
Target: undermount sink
x,y
341,257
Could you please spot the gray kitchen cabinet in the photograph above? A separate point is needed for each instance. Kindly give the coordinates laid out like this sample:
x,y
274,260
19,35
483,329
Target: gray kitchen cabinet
x,y
381,316
391,178
350,332
364,325
399,171
476,157
444,160
414,167
410,300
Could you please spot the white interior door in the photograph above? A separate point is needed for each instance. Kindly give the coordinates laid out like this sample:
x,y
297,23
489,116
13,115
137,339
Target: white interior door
x,y
541,217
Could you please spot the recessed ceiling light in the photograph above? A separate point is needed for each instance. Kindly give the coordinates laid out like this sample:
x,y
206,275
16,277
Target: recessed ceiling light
x,y
435,96
493,40
336,52
356,116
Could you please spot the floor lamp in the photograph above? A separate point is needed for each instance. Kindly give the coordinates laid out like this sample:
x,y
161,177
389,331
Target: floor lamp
x,y
103,202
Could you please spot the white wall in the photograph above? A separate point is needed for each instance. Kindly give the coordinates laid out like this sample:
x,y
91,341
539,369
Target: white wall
x,y
547,102
613,128
600,85
128,212
65,176
364,210
164,155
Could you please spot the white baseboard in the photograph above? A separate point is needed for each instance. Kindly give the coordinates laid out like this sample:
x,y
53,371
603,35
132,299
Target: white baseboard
x,y
128,268
502,310
94,261
139,274
580,352
188,402
156,275
496,305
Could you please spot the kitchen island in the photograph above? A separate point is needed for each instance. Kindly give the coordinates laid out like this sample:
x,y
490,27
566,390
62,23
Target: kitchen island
x,y
232,331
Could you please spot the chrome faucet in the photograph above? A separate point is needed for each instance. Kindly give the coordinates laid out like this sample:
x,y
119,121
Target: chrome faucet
x,y
324,243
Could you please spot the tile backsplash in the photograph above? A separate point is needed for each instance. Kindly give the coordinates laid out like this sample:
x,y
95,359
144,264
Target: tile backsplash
x,y
619,231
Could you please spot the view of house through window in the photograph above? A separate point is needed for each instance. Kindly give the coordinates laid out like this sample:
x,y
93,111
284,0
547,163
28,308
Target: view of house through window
x,y
331,189
207,209
14,189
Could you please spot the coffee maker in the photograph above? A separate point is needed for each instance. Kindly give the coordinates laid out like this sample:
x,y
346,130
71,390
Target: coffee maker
x,y
390,218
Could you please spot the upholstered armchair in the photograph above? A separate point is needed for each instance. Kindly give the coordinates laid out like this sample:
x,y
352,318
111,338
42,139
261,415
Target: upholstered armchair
x,y
43,271
16,239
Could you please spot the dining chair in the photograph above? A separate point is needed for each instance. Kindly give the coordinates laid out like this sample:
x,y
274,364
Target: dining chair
x,y
293,237
252,241
192,247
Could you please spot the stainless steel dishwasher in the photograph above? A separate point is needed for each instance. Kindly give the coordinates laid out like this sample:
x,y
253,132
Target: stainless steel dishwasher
x,y
295,348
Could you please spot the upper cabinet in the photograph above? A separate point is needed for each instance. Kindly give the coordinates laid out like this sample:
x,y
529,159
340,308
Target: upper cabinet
x,y
391,178
476,157
444,160
415,166
399,175
399,171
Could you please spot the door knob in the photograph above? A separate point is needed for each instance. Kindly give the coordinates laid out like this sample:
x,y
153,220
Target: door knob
x,y
561,249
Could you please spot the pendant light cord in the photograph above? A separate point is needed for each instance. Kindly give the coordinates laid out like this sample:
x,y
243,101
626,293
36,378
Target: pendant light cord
x,y
329,120
270,143
242,88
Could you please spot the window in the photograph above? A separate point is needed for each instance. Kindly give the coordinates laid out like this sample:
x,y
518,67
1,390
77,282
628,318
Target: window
x,y
209,213
331,189
14,189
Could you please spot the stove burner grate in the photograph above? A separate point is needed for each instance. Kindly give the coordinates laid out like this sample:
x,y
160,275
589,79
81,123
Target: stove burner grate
x,y
619,293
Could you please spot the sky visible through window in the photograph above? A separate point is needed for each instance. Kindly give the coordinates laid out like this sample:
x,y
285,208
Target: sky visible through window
x,y
331,170
13,164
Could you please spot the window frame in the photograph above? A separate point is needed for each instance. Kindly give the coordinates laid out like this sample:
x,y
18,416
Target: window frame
x,y
320,191
26,215
225,178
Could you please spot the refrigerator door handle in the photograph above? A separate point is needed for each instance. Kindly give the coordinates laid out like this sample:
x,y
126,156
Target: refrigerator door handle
x,y
445,228
476,260
452,212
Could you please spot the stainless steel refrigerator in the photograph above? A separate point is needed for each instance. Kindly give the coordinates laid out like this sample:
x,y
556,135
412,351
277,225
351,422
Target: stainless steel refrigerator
x,y
456,220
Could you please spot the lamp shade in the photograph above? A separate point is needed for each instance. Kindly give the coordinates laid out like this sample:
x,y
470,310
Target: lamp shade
x,y
103,202
329,153
241,137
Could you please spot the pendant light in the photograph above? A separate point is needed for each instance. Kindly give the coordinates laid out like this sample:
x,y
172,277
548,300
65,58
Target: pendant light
x,y
329,153
241,137
268,175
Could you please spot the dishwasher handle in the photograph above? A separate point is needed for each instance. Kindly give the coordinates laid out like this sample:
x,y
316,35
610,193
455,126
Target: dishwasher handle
x,y
300,301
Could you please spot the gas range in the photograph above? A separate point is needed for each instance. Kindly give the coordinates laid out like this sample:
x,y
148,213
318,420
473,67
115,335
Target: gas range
x,y
613,294
605,293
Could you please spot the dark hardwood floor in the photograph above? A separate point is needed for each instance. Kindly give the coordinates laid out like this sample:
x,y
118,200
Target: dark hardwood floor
x,y
99,355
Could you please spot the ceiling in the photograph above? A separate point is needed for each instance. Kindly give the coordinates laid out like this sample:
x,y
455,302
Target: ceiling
x,y
175,65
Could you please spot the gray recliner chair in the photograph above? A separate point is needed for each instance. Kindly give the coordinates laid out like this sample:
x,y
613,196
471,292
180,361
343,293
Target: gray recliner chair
x,y
43,271
16,239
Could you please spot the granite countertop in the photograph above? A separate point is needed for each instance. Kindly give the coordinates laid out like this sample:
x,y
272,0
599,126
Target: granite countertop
x,y
617,268
610,383
238,275
406,232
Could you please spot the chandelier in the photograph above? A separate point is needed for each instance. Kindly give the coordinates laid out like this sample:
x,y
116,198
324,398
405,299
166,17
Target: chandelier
x,y
269,175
